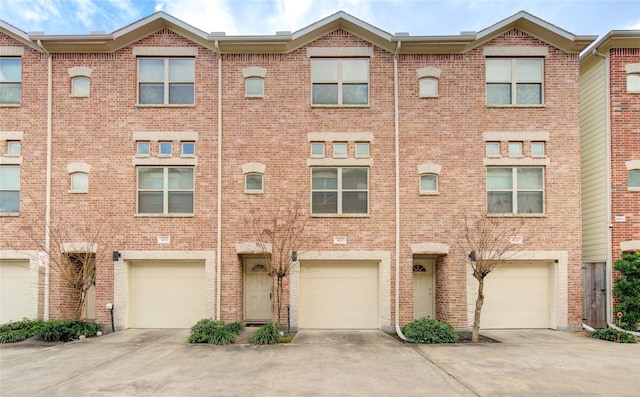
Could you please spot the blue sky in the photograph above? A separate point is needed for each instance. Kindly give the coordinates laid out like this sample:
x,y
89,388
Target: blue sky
x,y
259,17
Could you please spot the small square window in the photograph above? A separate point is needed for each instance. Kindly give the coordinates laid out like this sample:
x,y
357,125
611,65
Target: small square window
x,y
362,149
537,149
317,149
493,149
142,148
340,150
80,86
79,182
188,148
165,149
253,183
14,148
515,149
633,83
428,183
254,87
428,87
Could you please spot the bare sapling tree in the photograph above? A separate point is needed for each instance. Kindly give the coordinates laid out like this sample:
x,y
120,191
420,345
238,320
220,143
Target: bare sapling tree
x,y
488,242
75,247
277,232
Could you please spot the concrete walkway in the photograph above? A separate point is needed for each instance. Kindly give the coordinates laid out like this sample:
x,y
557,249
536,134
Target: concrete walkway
x,y
321,363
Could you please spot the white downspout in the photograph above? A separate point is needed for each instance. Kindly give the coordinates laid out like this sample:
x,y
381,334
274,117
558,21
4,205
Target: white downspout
x,y
219,192
47,213
397,166
609,262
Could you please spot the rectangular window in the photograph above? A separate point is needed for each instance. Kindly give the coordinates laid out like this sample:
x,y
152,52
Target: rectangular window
x,y
428,183
254,87
165,190
142,149
340,190
340,150
516,81
633,83
166,81
537,149
10,81
9,189
317,149
515,190
634,180
188,149
14,148
515,149
340,81
253,183
165,149
493,149
362,149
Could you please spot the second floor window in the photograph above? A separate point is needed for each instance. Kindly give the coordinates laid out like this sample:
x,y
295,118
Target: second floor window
x,y
517,190
340,190
165,190
514,81
343,82
166,81
9,189
10,81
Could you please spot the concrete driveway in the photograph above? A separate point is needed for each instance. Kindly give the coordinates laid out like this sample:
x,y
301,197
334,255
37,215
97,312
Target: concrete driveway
x,y
322,363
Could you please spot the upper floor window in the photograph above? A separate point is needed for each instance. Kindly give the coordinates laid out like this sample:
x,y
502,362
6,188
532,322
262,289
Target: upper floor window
x,y
165,148
188,149
14,148
337,81
254,87
253,183
428,87
317,149
79,182
537,149
9,189
339,190
80,86
10,80
143,148
165,190
493,149
362,149
515,149
515,190
633,82
634,180
339,150
166,81
428,183
514,81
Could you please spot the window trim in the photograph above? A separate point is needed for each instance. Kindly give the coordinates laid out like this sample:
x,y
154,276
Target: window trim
x,y
339,193
514,193
166,81
165,192
514,81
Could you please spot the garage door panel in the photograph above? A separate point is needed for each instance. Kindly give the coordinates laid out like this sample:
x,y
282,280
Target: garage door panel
x,y
339,295
15,293
518,295
166,295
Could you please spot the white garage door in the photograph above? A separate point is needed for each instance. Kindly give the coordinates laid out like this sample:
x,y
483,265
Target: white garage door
x,y
15,294
166,294
519,295
339,295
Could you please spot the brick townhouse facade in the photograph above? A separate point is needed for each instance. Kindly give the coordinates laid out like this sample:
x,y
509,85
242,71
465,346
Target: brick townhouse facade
x,y
168,137
610,125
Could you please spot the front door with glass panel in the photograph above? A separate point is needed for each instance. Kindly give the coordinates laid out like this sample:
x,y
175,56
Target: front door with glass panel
x,y
257,290
423,288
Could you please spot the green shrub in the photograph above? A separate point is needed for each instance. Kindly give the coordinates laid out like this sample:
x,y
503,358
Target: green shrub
x,y
426,330
267,334
611,334
214,332
66,330
627,290
18,330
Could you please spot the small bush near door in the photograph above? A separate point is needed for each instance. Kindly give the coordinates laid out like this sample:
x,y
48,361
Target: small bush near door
x,y
214,332
426,330
267,334
66,330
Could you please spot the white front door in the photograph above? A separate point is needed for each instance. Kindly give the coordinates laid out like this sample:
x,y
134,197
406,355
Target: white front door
x,y
257,290
423,288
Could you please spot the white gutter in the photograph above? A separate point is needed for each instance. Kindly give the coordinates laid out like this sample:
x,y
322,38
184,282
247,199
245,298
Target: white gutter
x,y
609,225
219,193
47,214
397,154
